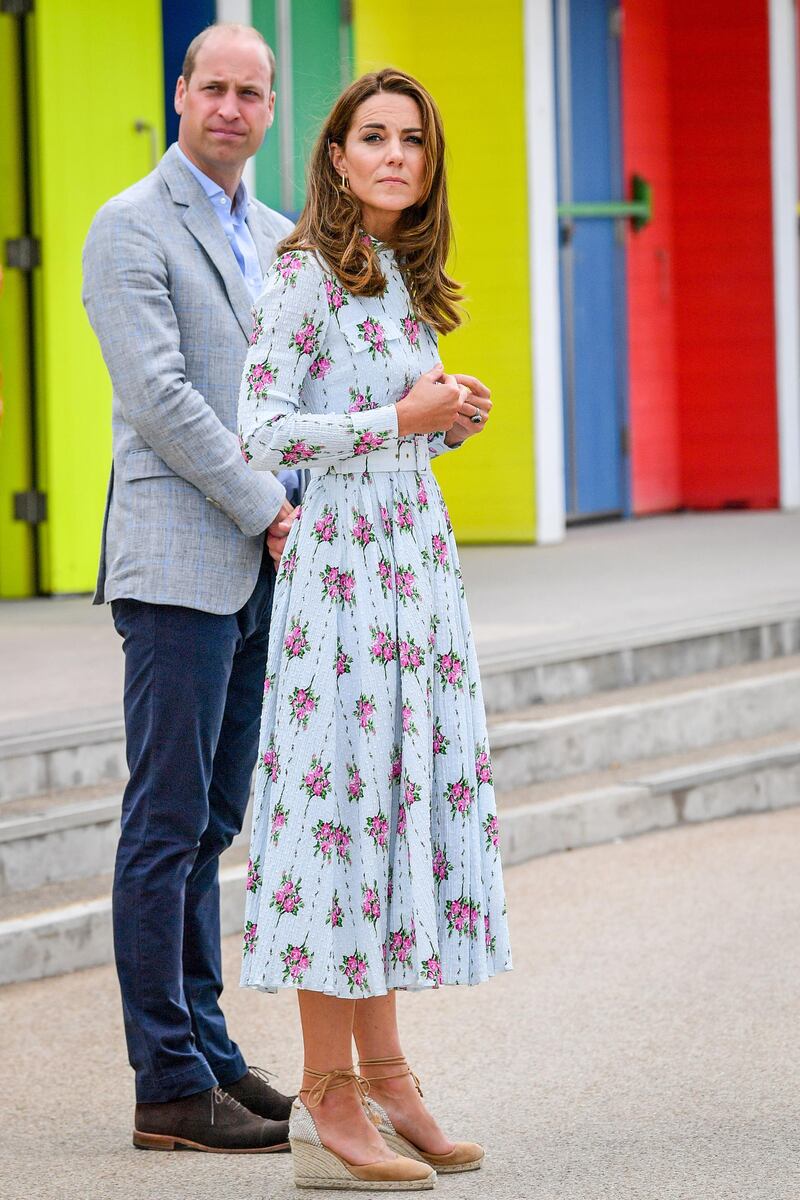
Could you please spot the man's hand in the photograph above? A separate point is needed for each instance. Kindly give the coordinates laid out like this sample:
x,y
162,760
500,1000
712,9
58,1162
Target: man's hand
x,y
278,532
477,401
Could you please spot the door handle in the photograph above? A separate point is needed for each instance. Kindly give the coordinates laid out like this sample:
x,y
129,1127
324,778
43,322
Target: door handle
x,y
639,209
142,126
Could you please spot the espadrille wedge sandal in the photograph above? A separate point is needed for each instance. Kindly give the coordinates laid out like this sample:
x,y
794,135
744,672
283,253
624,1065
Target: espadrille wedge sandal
x,y
465,1156
316,1166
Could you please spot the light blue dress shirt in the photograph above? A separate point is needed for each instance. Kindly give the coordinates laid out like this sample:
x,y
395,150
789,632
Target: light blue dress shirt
x,y
232,217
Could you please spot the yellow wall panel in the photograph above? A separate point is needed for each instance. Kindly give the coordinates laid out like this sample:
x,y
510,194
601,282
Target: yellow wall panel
x,y
97,69
470,56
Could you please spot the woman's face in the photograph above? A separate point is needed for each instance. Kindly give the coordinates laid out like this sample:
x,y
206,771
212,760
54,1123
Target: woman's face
x,y
383,158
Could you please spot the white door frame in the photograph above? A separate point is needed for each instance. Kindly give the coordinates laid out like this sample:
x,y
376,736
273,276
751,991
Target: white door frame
x,y
545,302
786,259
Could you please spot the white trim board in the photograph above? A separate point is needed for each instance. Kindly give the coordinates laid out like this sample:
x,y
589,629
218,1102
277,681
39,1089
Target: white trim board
x,y
240,12
786,260
545,304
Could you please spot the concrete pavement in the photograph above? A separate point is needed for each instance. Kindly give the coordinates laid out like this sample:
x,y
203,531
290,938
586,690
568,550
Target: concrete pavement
x,y
644,1048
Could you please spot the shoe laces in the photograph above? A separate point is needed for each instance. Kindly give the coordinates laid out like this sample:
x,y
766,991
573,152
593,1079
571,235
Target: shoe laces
x,y
262,1074
219,1096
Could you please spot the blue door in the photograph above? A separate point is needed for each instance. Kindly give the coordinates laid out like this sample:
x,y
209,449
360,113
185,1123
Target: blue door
x,y
592,263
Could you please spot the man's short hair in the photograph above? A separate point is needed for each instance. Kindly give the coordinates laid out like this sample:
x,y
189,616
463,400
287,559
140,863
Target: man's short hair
x,y
190,58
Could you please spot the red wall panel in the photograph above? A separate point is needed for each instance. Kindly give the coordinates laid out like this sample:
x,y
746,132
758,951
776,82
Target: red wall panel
x,y
722,231
653,384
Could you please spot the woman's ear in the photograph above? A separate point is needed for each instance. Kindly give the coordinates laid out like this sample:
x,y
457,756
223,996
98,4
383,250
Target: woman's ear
x,y
337,158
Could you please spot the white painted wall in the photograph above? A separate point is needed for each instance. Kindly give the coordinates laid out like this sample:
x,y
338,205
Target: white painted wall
x,y
240,11
543,269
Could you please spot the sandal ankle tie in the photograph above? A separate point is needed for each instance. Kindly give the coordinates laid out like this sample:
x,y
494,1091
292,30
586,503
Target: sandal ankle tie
x,y
327,1082
390,1062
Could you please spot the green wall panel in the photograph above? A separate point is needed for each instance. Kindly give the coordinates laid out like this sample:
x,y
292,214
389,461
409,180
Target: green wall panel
x,y
16,559
96,70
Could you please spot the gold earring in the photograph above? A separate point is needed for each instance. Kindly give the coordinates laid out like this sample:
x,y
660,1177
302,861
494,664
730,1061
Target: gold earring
x,y
344,183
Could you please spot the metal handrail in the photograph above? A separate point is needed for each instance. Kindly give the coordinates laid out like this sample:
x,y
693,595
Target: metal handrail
x,y
639,209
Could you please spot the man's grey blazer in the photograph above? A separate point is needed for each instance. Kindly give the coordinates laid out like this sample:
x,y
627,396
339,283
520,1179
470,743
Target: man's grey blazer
x,y
185,516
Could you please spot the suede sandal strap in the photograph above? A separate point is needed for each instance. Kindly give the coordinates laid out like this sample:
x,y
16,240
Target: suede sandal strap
x,y
329,1081
399,1060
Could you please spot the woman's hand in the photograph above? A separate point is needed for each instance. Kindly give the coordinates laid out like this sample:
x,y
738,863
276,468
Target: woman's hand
x,y
433,403
278,532
476,403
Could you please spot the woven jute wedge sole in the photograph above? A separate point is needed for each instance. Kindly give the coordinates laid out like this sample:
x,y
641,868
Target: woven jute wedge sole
x,y
316,1167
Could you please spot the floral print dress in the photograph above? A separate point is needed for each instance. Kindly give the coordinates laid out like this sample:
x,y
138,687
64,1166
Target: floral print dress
x,y
374,857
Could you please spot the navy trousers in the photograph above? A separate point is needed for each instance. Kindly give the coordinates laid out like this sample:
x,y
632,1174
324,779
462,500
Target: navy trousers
x,y
194,684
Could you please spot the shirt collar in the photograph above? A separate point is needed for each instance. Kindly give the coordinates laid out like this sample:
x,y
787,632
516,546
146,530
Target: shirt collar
x,y
241,199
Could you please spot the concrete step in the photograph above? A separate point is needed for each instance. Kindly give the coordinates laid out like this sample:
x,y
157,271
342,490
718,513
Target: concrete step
x,y
548,742
55,753
64,927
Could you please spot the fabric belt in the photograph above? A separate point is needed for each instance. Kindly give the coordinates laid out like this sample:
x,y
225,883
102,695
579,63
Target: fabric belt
x,y
409,454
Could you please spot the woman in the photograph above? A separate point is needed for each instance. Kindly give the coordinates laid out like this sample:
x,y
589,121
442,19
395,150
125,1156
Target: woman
x,y
374,862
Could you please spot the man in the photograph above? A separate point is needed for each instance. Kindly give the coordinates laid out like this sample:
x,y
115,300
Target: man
x,y
171,268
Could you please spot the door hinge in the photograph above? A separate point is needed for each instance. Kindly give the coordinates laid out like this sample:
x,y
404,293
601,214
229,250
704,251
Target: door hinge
x,y
30,507
625,440
23,253
616,19
16,8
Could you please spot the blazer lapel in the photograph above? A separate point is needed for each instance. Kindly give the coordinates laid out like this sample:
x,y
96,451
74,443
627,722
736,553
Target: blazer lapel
x,y
203,223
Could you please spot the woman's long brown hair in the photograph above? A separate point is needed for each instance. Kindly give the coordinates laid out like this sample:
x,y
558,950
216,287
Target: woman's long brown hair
x,y
330,222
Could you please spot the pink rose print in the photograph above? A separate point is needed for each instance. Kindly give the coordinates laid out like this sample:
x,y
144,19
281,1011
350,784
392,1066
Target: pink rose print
x,y
410,655
491,828
402,820
491,942
289,266
451,669
364,712
440,742
277,822
386,576
245,450
422,495
332,840
296,961
250,937
269,762
335,295
395,765
370,904
459,796
441,866
338,586
296,643
288,565
362,530
316,780
403,515
336,913
287,898
483,766
253,875
406,584
447,521
369,442
305,340
462,917
400,944
268,682
377,828
407,714
441,553
303,702
258,324
373,333
355,784
298,451
354,968
386,521
433,969
343,661
412,792
260,377
360,401
411,330
324,527
320,366
383,648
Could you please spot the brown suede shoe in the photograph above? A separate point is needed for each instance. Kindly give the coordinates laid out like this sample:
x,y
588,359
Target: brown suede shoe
x,y
211,1121
254,1092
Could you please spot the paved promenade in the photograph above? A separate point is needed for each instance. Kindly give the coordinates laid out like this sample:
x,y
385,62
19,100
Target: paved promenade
x,y
644,1048
609,581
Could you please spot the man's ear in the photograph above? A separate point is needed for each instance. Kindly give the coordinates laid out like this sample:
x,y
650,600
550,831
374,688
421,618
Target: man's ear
x,y
270,110
180,93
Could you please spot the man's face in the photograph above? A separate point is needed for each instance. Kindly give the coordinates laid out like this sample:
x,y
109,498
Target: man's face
x,y
228,104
